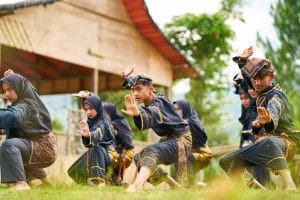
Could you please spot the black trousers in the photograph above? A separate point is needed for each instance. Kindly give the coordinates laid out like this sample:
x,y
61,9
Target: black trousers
x,y
263,154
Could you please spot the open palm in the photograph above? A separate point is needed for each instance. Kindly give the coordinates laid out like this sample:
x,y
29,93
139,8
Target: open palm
x,y
264,115
83,129
131,106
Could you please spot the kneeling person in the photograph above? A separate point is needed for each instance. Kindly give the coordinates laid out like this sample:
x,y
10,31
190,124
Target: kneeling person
x,y
159,114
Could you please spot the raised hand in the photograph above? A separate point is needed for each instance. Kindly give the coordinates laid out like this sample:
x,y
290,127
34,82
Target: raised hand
x,y
127,72
83,129
131,106
247,52
264,115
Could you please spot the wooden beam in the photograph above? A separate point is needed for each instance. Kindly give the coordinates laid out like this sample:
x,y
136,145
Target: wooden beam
x,y
0,58
95,85
20,68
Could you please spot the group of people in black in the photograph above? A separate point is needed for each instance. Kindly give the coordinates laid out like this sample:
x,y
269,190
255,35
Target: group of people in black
x,y
267,139
30,144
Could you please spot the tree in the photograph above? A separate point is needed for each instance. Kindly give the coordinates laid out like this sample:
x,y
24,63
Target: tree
x,y
285,57
56,124
205,41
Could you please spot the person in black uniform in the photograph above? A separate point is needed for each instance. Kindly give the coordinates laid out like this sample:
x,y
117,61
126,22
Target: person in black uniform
x,y
97,135
159,114
277,144
123,135
201,154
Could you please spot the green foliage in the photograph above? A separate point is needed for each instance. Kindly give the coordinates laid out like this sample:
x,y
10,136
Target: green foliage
x,y
56,124
205,41
117,97
285,58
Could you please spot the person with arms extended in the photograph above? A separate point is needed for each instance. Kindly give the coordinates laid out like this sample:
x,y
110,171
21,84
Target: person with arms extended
x,y
278,143
30,144
159,114
92,167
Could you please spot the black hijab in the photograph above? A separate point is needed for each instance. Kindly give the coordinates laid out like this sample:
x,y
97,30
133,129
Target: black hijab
x,y
38,120
120,124
100,120
199,137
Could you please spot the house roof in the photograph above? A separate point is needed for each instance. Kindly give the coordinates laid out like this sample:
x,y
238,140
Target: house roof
x,y
13,5
138,11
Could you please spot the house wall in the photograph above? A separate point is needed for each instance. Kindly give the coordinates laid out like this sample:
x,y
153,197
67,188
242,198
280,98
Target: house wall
x,y
93,33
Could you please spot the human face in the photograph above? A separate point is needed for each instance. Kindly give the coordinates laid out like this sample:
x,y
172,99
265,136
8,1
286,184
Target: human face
x,y
9,93
245,100
261,83
178,109
90,111
142,93
252,93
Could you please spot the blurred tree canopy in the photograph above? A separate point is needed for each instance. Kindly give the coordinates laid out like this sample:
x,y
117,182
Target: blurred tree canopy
x,y
285,57
57,124
205,41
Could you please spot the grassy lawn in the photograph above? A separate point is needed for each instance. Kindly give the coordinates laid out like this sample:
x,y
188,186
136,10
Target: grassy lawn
x,y
215,191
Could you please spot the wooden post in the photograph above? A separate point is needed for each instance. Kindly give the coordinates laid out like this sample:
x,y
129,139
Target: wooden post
x,y
96,80
0,58
169,92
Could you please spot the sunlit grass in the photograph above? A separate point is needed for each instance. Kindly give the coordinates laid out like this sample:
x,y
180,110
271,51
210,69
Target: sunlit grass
x,y
216,190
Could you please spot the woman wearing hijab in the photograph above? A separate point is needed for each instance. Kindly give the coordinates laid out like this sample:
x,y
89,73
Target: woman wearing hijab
x,y
97,135
123,135
201,154
30,145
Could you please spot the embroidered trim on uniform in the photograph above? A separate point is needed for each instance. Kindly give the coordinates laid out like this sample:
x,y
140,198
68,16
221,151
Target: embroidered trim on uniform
x,y
97,178
90,137
161,120
260,100
100,133
276,158
280,170
276,102
142,121
98,167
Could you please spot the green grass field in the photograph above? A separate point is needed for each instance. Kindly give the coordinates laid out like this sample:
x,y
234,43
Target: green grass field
x,y
215,191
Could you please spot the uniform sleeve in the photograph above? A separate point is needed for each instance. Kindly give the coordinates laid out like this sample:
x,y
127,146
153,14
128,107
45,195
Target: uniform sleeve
x,y
7,119
123,131
95,138
275,106
149,117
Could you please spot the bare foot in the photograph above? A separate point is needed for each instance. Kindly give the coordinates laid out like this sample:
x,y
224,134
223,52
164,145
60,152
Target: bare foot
x,y
131,188
20,186
290,187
